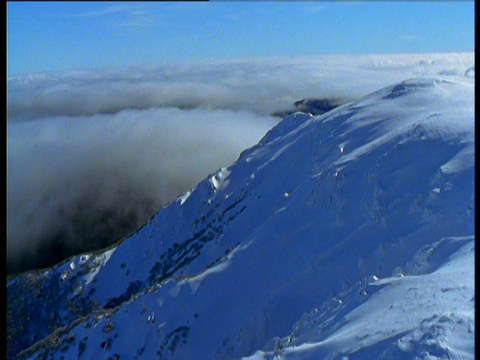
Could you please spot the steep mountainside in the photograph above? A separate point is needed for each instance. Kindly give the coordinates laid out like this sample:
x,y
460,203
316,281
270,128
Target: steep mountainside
x,y
346,233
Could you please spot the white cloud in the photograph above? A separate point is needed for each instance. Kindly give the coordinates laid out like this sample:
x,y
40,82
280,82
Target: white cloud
x,y
108,10
314,8
125,16
262,85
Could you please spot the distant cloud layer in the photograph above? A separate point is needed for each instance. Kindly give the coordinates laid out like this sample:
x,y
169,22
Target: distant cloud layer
x,y
91,155
260,85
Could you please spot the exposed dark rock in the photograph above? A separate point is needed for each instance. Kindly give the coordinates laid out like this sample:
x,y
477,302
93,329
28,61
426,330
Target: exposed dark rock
x,y
312,106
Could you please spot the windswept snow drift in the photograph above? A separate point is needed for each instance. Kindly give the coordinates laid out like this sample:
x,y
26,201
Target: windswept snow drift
x,y
350,233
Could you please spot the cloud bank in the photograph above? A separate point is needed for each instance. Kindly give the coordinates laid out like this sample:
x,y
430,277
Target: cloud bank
x,y
78,183
263,86
91,155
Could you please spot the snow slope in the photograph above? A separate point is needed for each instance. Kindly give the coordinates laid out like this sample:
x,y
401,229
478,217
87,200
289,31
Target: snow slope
x,y
346,234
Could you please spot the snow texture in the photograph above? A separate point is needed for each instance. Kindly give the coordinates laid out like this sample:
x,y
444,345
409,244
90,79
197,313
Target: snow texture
x,y
345,235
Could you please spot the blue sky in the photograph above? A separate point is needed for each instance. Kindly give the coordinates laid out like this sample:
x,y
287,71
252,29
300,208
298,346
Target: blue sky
x,y
58,36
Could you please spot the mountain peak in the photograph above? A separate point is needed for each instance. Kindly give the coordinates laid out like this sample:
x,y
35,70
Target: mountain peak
x,y
323,213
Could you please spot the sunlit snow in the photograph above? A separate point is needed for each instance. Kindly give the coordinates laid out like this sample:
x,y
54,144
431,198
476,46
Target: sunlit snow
x,y
344,235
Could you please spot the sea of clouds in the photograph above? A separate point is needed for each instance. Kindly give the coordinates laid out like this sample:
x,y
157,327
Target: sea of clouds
x,y
91,155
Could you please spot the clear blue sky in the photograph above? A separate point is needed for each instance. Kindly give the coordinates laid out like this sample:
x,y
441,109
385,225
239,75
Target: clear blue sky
x,y
57,36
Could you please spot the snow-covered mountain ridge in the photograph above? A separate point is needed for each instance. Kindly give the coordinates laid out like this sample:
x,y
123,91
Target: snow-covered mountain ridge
x,y
312,235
